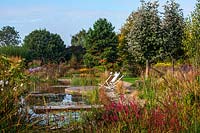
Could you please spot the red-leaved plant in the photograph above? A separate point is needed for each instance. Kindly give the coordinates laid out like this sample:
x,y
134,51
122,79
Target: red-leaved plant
x,y
121,111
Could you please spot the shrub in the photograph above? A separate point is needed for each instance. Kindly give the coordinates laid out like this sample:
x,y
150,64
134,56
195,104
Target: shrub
x,y
12,86
172,106
16,51
92,96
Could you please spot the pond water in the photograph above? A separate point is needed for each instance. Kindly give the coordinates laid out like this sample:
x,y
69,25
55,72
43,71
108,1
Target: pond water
x,y
38,99
53,119
61,100
67,98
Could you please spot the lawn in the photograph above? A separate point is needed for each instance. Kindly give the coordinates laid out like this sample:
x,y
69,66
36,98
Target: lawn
x,y
130,79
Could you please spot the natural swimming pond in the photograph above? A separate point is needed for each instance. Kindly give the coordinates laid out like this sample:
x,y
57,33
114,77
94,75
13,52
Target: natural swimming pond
x,y
56,109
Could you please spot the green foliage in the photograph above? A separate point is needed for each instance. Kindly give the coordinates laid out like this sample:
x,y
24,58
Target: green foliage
x,y
79,39
127,27
9,36
101,44
150,38
192,36
125,59
75,54
123,36
90,60
173,30
100,69
45,46
130,79
73,61
92,96
171,105
15,51
148,92
12,86
84,81
144,39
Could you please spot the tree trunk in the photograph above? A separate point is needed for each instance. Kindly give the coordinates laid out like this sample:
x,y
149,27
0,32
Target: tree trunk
x,y
147,69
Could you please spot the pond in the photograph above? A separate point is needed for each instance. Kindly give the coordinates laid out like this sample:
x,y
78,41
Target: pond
x,y
54,119
56,109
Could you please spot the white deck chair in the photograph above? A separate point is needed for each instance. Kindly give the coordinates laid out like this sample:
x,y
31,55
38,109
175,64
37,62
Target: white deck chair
x,y
112,80
108,79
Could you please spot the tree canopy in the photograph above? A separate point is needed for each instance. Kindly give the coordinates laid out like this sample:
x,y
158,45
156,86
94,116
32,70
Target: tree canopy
x,y
75,54
9,36
192,36
173,30
101,44
79,39
126,59
147,35
45,46
144,38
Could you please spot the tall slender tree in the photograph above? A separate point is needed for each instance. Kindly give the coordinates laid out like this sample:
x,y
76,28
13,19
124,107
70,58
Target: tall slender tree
x,y
144,39
101,44
192,35
173,31
126,59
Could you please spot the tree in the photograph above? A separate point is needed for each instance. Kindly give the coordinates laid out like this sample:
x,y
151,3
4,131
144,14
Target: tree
x,y
144,39
9,36
75,54
126,28
101,44
126,59
79,39
192,36
45,46
90,60
173,31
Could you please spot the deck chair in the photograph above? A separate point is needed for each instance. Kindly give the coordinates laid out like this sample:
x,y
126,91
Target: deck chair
x,y
112,80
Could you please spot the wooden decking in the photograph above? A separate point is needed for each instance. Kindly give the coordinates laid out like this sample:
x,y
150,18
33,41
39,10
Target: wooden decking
x,y
60,86
44,109
46,94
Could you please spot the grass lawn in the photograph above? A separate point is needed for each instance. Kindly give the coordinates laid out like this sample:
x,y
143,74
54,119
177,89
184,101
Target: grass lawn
x,y
130,79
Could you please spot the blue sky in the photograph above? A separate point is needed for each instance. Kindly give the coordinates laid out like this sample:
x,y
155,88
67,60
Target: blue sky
x,y
67,17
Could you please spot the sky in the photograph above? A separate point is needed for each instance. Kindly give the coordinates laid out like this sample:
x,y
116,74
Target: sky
x,y
68,17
